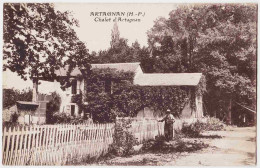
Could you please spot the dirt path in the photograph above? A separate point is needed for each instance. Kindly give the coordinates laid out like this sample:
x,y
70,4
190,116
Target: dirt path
x,y
235,148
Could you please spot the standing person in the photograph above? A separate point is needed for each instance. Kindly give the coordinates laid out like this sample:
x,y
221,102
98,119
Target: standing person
x,y
168,126
88,120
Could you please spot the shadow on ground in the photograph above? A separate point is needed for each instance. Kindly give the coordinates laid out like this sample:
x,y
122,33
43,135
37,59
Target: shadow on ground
x,y
209,136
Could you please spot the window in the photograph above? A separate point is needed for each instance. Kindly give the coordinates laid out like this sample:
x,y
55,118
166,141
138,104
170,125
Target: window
x,y
27,119
72,110
74,87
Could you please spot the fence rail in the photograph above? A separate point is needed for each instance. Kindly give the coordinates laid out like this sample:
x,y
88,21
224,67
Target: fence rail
x,y
54,144
63,144
147,129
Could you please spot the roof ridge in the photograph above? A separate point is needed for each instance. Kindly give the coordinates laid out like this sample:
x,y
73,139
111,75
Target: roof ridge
x,y
168,79
171,73
111,63
116,63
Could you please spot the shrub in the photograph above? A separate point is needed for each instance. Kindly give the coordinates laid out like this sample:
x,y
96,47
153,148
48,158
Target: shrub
x,y
195,129
53,106
192,130
63,118
14,117
123,139
9,124
159,145
59,118
213,124
76,120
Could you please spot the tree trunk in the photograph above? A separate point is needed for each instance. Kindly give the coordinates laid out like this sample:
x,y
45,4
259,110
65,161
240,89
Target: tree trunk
x,y
35,90
229,112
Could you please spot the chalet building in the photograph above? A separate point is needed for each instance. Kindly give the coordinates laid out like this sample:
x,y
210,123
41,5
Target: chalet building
x,y
173,79
140,78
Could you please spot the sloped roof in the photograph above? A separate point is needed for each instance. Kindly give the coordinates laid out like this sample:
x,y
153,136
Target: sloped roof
x,y
63,71
168,79
118,66
149,79
27,103
23,105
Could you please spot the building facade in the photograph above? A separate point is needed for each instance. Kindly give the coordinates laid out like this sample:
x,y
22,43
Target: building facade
x,y
142,79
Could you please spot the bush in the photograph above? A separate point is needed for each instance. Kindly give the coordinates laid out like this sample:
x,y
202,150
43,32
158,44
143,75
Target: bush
x,y
14,117
76,120
53,106
10,124
159,145
214,124
123,139
192,130
195,129
63,118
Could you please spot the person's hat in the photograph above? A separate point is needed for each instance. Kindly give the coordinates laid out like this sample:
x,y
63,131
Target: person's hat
x,y
168,110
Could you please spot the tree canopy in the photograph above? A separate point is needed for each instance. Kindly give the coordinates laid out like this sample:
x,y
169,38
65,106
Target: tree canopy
x,y
119,51
10,96
216,39
39,40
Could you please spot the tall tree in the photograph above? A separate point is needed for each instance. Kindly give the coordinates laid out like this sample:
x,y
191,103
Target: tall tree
x,y
120,51
115,36
218,40
39,40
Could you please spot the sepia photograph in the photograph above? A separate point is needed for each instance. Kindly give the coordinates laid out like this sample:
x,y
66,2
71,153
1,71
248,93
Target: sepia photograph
x,y
129,84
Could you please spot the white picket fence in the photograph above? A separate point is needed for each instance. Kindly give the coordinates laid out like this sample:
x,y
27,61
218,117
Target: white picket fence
x,y
147,129
54,144
65,144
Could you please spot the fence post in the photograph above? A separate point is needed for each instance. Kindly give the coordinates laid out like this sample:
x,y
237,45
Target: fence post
x,y
54,144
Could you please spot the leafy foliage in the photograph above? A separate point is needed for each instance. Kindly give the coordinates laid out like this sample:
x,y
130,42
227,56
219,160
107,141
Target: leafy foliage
x,y
63,118
59,118
159,145
100,100
213,124
10,96
53,106
216,39
192,130
123,140
39,40
14,118
126,99
195,129
120,52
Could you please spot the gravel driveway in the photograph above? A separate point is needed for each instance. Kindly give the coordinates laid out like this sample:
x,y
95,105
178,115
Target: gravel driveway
x,y
237,147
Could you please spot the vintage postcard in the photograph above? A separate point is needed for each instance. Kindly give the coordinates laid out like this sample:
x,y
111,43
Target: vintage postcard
x,y
139,84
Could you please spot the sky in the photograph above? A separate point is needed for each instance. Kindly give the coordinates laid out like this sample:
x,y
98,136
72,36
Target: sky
x,y
97,33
